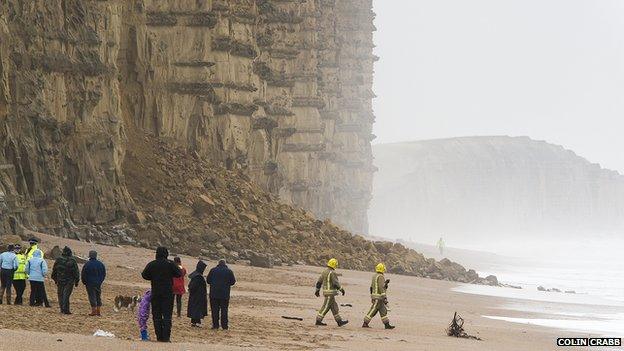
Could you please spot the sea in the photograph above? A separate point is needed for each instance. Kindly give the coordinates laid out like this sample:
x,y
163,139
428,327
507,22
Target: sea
x,y
590,269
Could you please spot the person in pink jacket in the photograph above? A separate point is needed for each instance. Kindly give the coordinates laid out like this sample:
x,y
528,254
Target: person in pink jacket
x,y
144,313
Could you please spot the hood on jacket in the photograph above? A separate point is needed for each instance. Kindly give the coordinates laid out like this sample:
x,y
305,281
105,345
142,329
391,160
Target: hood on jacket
x,y
67,251
162,252
201,267
92,254
37,253
221,262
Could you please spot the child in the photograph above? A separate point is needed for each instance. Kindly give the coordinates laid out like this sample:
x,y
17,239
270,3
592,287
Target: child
x,y
143,314
178,285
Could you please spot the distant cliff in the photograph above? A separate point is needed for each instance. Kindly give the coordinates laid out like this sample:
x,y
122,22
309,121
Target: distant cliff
x,y
484,185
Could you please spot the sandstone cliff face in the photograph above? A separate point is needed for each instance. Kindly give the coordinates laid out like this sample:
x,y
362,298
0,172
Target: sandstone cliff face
x,y
61,133
484,187
278,89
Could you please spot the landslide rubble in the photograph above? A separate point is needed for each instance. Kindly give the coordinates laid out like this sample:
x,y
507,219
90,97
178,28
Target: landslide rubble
x,y
186,202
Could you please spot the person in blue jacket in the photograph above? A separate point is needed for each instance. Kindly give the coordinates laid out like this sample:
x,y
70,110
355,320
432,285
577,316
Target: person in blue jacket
x,y
37,269
8,265
92,276
220,279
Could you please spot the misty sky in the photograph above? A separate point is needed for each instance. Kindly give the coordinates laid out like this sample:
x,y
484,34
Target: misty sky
x,y
549,69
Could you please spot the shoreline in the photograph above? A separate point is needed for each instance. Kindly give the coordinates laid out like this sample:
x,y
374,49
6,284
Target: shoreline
x,y
420,308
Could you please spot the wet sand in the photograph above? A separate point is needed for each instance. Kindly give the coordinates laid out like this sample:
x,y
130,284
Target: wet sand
x,y
420,308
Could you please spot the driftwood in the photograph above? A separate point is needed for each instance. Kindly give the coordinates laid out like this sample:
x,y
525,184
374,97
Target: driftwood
x,y
293,318
346,305
456,329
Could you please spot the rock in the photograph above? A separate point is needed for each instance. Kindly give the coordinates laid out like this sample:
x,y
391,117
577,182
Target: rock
x,y
203,205
6,240
54,253
195,183
570,292
491,280
137,217
260,260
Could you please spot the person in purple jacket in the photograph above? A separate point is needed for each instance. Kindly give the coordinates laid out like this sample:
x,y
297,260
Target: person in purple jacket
x,y
144,313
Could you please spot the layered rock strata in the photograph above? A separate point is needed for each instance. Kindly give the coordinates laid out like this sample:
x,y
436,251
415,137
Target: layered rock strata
x,y
278,89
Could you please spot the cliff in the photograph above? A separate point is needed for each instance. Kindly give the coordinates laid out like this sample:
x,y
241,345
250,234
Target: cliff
x,y
476,188
206,126
280,90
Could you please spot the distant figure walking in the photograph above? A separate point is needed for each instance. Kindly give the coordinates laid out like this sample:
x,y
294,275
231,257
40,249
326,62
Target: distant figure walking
x,y
66,276
20,276
37,269
220,278
92,276
8,265
143,314
160,273
178,286
197,307
441,246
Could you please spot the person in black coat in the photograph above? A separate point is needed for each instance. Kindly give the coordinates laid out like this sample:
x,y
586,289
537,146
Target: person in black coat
x,y
197,307
160,273
220,279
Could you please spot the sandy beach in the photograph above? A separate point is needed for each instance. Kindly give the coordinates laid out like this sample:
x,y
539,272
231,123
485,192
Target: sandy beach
x,y
420,308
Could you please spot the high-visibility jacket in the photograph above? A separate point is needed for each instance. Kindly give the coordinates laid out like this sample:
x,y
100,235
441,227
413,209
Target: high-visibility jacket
x,y
328,281
20,272
31,250
378,287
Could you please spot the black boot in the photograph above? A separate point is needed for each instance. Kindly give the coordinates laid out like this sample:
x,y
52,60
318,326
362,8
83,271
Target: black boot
x,y
320,323
388,326
365,325
166,330
342,322
158,329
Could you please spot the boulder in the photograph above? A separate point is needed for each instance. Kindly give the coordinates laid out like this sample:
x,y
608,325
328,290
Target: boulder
x,y
491,280
260,260
54,253
203,205
8,240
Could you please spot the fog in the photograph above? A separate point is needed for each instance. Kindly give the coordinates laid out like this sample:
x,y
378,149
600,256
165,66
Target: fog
x,y
533,213
551,70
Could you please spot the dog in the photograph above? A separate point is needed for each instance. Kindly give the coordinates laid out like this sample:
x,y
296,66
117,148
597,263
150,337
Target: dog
x,y
127,302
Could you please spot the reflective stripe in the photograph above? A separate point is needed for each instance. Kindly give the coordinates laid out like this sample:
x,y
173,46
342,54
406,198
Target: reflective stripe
x,y
328,290
372,310
326,307
376,284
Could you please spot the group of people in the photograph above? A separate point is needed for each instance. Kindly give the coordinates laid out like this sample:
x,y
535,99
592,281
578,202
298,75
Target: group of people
x,y
167,286
18,265
328,282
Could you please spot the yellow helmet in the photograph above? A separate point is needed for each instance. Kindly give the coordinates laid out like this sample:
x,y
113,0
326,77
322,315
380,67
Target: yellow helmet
x,y
380,268
332,263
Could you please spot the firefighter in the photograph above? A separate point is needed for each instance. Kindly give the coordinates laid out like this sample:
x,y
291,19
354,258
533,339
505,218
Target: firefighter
x,y
379,301
328,281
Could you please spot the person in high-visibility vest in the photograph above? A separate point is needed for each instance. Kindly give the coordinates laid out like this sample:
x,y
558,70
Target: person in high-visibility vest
x,y
378,288
328,281
19,276
34,246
